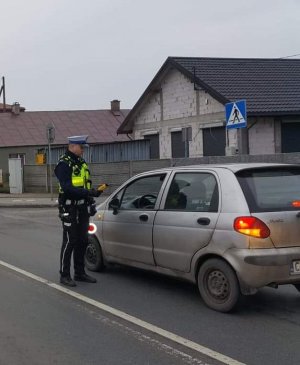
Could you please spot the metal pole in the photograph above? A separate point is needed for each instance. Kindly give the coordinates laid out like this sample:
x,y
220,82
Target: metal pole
x,y
50,171
184,138
226,142
50,137
4,100
47,188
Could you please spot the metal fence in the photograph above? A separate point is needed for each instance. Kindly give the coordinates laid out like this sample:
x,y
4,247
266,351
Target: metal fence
x,y
109,152
37,178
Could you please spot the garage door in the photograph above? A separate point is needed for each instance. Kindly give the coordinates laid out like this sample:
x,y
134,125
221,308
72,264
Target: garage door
x,y
214,141
290,137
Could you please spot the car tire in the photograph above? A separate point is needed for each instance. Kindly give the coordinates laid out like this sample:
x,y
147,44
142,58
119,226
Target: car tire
x,y
93,255
297,286
218,285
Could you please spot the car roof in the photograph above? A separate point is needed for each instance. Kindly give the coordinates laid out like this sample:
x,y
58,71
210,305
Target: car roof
x,y
234,167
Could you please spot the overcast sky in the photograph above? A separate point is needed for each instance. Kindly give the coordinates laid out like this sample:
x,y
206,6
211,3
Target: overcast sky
x,y
75,54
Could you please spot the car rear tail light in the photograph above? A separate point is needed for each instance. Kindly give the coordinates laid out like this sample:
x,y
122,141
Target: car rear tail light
x,y
92,228
251,226
296,203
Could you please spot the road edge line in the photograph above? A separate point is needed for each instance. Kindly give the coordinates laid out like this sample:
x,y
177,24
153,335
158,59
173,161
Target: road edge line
x,y
127,317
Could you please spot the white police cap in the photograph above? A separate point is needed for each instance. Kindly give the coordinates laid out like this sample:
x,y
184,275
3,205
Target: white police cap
x,y
78,140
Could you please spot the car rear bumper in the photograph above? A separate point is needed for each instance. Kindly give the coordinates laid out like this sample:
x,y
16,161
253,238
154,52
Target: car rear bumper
x,y
260,267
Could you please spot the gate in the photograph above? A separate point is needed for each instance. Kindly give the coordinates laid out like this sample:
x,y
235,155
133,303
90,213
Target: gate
x,y
15,175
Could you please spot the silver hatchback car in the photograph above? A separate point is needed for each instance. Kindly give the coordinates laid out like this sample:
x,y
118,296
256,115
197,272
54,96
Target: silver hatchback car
x,y
230,228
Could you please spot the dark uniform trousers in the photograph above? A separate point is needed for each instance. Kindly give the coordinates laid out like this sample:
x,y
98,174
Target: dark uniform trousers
x,y
75,238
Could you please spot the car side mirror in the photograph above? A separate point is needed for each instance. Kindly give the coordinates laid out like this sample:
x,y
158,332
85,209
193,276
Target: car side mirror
x,y
114,204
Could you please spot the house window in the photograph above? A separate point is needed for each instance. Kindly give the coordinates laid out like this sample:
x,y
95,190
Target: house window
x,y
179,147
154,145
214,141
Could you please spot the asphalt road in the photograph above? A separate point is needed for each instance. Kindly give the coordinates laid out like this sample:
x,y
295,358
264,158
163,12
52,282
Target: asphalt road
x,y
40,325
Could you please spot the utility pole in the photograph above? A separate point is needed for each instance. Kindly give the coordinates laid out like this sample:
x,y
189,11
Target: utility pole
x,y
2,90
50,138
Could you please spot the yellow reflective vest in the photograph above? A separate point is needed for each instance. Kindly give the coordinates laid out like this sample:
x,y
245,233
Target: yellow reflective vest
x,y
80,173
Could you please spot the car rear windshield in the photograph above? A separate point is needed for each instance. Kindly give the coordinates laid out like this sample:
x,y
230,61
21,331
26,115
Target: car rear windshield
x,y
271,189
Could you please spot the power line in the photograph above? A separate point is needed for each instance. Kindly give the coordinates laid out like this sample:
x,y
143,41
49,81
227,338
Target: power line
x,y
294,55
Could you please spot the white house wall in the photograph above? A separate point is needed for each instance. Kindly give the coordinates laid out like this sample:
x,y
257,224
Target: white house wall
x,y
149,114
176,104
179,97
262,137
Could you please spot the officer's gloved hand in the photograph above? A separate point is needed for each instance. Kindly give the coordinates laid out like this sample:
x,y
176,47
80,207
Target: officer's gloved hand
x,y
94,193
92,210
90,200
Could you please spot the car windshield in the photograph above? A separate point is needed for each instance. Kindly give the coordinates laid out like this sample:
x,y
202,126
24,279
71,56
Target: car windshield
x,y
271,189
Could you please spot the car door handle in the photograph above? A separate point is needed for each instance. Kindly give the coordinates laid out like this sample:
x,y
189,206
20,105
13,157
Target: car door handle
x,y
144,217
204,221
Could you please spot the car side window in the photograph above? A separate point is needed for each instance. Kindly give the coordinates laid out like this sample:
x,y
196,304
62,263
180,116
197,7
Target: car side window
x,y
194,192
141,193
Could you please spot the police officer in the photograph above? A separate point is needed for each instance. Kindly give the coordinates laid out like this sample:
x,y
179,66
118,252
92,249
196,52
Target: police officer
x,y
76,197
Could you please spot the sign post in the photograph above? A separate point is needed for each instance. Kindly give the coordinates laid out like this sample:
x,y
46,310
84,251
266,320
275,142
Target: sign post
x,y
236,116
186,137
50,138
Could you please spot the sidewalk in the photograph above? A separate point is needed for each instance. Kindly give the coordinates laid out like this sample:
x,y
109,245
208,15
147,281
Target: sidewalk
x,y
28,200
32,200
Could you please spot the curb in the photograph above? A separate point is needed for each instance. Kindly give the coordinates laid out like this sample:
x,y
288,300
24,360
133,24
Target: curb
x,y
12,205
33,203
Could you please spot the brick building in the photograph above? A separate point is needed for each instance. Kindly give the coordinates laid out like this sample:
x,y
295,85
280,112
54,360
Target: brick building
x,y
182,111
24,134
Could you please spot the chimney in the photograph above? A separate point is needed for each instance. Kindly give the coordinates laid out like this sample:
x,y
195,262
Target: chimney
x,y
15,109
115,106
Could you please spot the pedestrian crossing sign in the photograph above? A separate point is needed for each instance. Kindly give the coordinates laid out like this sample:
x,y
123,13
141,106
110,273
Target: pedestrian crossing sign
x,y
236,114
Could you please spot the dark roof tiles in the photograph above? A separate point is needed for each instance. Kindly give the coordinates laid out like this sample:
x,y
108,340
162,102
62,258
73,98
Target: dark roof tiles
x,y
268,85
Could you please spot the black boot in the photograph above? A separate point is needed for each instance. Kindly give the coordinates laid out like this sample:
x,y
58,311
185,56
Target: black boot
x,y
85,277
67,280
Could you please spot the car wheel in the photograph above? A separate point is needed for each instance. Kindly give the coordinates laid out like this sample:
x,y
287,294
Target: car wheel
x,y
218,285
297,286
93,255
